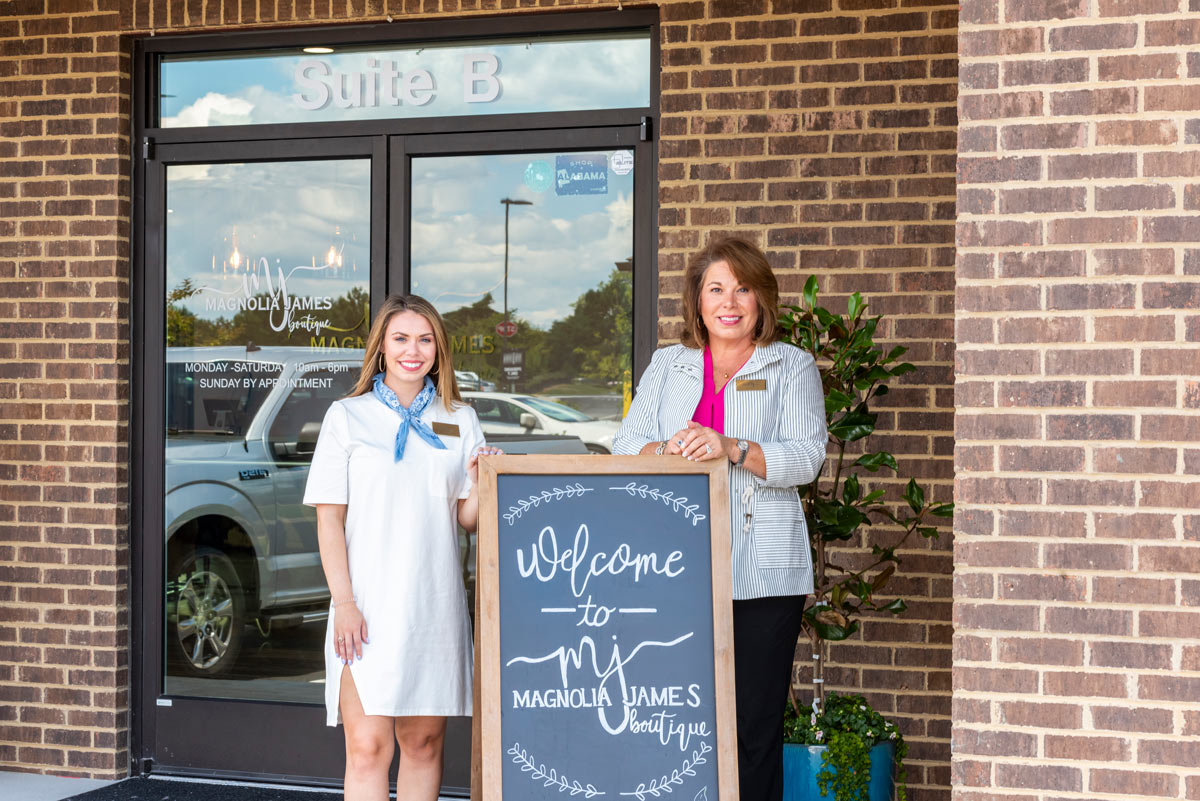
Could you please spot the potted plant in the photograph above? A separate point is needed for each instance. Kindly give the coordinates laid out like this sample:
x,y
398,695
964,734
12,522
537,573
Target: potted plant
x,y
848,751
838,507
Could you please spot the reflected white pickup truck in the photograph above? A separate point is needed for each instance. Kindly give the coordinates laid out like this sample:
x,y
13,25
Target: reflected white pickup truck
x,y
242,424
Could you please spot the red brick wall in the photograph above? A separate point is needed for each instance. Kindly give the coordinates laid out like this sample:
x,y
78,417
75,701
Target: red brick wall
x,y
823,129
64,368
1077,668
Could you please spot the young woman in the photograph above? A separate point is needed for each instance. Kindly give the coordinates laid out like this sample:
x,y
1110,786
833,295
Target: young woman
x,y
733,391
395,467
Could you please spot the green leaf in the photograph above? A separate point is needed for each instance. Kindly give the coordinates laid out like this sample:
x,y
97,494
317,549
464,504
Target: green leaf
x,y
851,491
942,510
902,369
832,631
896,607
879,373
824,315
914,495
856,305
837,521
928,532
810,291
874,461
895,353
853,425
872,496
836,400
869,329
882,577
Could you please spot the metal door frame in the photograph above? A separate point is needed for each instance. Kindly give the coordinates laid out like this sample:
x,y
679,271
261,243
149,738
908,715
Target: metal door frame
x,y
161,737
198,735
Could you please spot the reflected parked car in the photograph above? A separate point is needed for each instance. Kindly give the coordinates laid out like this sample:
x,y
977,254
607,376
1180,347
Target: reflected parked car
x,y
466,379
241,545
509,413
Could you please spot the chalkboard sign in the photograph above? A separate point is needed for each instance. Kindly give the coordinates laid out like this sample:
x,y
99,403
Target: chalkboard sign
x,y
604,661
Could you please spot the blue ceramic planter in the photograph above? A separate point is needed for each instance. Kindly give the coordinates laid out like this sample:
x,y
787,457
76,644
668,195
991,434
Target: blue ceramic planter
x,y
802,763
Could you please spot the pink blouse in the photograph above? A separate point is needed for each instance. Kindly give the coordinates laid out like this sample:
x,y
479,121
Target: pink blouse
x,y
711,409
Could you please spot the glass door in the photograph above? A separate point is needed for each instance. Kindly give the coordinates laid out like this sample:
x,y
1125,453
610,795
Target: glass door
x,y
263,260
261,263
532,249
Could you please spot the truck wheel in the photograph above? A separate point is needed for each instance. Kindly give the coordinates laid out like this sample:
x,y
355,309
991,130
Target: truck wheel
x,y
208,617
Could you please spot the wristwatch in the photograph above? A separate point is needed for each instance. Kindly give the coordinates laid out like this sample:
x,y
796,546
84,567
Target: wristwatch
x,y
743,449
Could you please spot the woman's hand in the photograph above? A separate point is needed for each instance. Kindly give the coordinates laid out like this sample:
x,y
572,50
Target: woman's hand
x,y
473,462
349,632
699,443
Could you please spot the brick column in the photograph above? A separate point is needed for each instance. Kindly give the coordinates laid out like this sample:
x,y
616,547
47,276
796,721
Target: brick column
x,y
64,371
1077,669
824,130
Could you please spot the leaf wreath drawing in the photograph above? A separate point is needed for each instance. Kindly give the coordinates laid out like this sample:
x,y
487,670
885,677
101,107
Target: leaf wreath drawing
x,y
545,496
549,777
669,499
668,781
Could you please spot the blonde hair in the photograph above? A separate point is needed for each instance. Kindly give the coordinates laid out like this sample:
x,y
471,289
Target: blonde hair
x,y
442,372
749,265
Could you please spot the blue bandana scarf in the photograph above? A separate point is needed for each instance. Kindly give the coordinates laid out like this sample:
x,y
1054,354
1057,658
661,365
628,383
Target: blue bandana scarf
x,y
410,416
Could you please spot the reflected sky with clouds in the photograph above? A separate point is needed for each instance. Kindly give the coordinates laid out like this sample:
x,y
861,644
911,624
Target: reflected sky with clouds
x,y
536,75
290,213
559,247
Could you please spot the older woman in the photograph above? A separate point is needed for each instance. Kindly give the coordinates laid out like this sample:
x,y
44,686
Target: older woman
x,y
732,391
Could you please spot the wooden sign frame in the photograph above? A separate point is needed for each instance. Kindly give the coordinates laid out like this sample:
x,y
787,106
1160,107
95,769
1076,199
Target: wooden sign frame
x,y
487,753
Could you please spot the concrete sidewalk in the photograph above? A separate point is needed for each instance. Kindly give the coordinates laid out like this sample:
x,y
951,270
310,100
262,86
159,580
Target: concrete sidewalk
x,y
38,787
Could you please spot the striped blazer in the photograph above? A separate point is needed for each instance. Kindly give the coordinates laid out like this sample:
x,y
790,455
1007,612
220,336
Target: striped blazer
x,y
770,550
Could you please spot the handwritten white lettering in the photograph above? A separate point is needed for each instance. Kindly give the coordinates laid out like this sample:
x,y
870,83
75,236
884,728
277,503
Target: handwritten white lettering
x,y
545,560
663,724
553,698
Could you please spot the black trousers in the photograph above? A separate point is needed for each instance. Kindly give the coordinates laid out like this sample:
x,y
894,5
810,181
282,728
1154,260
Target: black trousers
x,y
764,646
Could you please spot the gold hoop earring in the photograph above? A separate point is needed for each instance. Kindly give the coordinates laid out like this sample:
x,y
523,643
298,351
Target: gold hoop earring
x,y
382,366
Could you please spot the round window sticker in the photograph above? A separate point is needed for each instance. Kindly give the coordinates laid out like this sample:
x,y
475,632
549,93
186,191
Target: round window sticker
x,y
621,162
539,176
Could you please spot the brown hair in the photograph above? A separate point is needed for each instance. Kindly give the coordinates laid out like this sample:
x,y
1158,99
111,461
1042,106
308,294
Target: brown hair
x,y
442,372
749,265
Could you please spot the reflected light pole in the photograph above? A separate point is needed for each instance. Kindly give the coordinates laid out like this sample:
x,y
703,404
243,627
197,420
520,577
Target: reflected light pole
x,y
509,202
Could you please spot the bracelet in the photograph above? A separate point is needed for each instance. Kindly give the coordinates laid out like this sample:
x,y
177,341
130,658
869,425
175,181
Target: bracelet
x,y
662,446
343,603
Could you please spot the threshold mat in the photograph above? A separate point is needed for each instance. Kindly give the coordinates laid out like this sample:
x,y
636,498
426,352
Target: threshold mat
x,y
143,789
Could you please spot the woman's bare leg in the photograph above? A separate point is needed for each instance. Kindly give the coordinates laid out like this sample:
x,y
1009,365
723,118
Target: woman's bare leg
x,y
369,746
421,742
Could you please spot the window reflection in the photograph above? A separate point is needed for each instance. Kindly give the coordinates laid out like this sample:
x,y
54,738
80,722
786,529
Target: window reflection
x,y
267,270
527,256
539,74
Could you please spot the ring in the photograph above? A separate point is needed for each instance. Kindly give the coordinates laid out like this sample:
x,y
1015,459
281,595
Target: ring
x,y
341,639
708,448
679,442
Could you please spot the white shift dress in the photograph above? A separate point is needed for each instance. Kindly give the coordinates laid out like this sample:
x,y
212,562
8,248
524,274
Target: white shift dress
x,y
402,544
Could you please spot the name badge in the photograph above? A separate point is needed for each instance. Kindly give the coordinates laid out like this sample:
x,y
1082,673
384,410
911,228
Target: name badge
x,y
751,384
445,429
